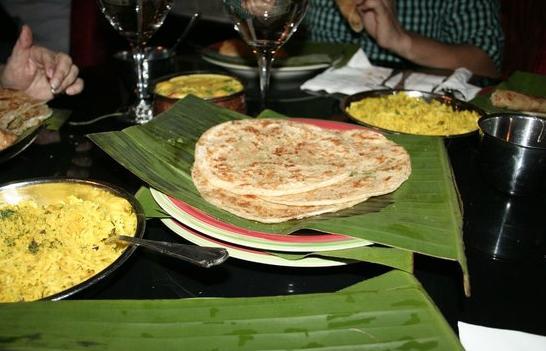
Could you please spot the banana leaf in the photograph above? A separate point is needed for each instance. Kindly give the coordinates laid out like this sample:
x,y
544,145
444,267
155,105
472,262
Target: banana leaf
x,y
523,82
57,119
389,312
422,216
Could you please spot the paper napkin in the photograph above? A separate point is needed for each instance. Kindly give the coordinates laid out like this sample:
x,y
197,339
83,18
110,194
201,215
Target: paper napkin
x,y
360,75
479,338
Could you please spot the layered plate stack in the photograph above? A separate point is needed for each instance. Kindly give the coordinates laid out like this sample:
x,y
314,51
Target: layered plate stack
x,y
202,229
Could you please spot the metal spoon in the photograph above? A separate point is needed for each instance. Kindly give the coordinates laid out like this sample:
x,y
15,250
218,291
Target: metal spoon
x,y
198,255
182,36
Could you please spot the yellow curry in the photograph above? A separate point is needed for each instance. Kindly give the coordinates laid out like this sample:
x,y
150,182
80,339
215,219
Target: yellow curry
x,y
205,86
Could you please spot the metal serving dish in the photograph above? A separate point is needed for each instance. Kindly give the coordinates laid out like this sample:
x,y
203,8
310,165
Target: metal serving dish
x,y
51,190
456,104
235,101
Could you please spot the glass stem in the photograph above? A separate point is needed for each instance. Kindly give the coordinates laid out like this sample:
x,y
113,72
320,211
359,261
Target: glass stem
x,y
142,108
265,61
142,72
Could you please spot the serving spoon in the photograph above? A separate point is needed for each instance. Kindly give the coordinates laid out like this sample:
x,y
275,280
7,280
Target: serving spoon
x,y
198,255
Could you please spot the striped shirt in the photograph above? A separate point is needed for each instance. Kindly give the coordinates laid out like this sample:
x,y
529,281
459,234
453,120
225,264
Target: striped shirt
x,y
473,22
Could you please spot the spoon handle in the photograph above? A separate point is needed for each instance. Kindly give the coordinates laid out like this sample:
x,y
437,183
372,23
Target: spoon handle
x,y
198,255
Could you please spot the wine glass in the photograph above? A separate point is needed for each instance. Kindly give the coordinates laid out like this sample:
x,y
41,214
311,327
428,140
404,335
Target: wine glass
x,y
265,25
137,21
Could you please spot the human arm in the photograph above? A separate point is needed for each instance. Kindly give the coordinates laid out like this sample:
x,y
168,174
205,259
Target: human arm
x,y
380,22
38,71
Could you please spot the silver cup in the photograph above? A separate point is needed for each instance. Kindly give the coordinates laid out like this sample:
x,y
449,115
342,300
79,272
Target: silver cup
x,y
513,152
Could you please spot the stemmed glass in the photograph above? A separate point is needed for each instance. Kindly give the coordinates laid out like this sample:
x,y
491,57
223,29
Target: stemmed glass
x,y
265,25
137,21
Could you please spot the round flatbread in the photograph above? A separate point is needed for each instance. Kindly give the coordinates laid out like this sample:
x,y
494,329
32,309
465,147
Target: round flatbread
x,y
273,157
256,209
382,167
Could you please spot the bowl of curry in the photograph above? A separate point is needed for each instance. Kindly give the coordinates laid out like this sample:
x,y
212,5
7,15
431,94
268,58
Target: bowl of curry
x,y
220,89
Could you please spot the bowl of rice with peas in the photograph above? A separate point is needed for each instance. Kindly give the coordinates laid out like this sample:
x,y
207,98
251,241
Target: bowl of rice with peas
x,y
413,112
55,236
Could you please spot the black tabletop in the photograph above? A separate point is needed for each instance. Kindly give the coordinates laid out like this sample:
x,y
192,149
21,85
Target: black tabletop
x,y
504,236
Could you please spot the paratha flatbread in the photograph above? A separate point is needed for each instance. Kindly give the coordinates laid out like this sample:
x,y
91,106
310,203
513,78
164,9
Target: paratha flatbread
x,y
29,118
382,167
18,113
518,101
254,208
272,157
6,139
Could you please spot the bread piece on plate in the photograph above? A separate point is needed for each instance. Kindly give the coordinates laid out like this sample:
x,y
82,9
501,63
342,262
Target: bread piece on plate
x,y
349,11
6,139
517,101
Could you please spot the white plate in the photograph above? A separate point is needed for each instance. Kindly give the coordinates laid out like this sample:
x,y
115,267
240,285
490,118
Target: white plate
x,y
251,72
244,253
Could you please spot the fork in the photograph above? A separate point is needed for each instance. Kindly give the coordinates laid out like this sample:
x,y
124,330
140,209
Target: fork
x,y
198,255
393,73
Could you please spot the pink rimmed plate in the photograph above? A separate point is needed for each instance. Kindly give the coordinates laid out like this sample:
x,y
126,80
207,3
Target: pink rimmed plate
x,y
204,223
246,253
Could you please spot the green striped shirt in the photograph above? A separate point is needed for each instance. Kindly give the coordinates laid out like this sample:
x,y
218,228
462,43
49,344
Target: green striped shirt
x,y
473,22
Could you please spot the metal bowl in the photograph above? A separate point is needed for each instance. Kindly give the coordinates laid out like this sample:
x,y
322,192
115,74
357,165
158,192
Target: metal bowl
x,y
456,104
50,190
513,152
235,101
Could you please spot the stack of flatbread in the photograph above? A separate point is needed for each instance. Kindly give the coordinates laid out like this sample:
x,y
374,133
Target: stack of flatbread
x,y
19,112
275,170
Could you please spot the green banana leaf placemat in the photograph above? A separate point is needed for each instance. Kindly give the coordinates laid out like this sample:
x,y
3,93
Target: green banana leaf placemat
x,y
389,312
422,216
523,82
57,119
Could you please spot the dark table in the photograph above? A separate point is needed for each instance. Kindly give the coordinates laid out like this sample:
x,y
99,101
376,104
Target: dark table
x,y
504,235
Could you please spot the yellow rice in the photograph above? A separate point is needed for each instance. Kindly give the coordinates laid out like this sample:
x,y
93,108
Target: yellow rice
x,y
405,114
47,248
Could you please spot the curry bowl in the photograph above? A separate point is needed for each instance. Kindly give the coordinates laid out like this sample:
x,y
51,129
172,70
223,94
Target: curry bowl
x,y
415,112
219,88
56,236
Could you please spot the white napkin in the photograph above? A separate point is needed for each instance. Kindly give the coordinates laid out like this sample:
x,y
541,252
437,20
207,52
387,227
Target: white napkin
x,y
479,338
360,75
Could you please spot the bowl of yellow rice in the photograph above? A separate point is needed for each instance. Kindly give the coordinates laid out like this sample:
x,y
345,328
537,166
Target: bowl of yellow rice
x,y
413,112
55,236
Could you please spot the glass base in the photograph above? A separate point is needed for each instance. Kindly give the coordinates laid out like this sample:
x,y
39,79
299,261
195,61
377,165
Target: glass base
x,y
140,113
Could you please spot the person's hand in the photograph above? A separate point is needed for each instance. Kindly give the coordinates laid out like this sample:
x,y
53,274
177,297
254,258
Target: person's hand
x,y
380,22
38,71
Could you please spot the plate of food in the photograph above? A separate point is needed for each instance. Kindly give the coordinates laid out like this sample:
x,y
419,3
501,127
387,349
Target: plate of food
x,y
20,119
55,236
413,112
291,61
